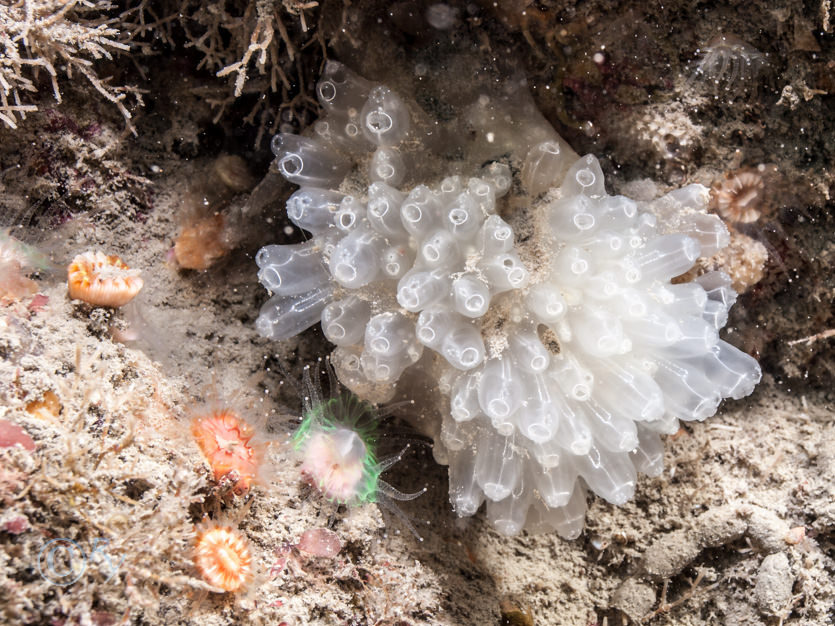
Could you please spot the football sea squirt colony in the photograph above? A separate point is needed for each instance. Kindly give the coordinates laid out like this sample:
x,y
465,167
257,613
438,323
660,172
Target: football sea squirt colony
x,y
560,355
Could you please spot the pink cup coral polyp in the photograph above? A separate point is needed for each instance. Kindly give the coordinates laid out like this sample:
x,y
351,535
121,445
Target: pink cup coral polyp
x,y
337,442
335,462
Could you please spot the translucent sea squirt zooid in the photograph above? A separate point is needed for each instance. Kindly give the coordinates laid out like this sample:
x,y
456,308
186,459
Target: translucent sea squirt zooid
x,y
560,357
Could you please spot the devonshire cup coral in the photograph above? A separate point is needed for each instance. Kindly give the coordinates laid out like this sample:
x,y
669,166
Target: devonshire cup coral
x,y
337,445
545,310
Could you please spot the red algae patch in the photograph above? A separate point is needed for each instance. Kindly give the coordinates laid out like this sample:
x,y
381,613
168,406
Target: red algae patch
x,y
223,557
226,442
16,524
12,434
319,542
102,280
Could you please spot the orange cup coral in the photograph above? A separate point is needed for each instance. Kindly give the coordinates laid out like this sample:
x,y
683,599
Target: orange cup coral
x,y
102,280
202,243
223,557
226,442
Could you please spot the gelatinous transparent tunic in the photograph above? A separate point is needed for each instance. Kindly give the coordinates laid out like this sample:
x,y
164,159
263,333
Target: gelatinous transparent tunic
x,y
560,360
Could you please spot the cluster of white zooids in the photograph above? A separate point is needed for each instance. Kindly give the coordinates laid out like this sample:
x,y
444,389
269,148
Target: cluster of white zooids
x,y
561,357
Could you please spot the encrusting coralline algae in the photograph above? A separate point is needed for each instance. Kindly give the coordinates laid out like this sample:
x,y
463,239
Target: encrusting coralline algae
x,y
560,343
